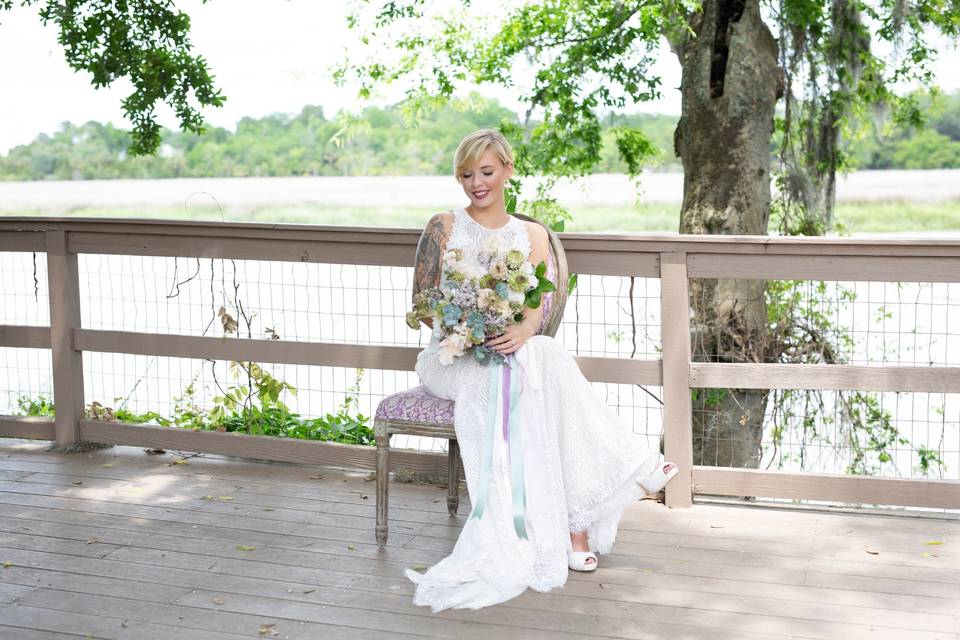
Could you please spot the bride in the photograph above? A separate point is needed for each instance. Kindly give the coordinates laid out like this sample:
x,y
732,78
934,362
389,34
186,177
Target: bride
x,y
581,465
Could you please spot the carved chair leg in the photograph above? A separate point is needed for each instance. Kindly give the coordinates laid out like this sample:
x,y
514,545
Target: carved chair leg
x,y
453,477
382,436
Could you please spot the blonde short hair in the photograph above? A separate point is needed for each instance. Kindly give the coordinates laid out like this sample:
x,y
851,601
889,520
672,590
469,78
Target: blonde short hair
x,y
476,144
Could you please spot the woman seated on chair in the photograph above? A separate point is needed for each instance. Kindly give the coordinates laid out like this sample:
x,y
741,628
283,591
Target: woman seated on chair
x,y
549,487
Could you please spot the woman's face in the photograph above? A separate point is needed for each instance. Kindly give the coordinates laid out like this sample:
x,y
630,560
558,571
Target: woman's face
x,y
483,182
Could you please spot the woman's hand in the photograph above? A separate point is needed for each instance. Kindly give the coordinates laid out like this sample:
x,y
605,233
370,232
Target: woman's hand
x,y
511,339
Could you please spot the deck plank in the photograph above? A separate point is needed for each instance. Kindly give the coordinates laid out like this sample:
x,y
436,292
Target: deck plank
x,y
116,543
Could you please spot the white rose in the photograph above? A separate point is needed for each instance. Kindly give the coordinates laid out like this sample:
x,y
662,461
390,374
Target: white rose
x,y
526,268
451,347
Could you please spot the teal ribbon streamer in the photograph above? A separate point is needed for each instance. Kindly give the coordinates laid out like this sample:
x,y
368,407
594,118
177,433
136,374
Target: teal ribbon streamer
x,y
486,453
502,382
516,455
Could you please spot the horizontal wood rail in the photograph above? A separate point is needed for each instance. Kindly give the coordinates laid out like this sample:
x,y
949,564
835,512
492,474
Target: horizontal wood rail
x,y
27,427
936,494
835,268
24,336
824,376
321,354
334,454
672,258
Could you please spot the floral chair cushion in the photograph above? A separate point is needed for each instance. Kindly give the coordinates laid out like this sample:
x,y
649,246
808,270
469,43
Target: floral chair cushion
x,y
416,405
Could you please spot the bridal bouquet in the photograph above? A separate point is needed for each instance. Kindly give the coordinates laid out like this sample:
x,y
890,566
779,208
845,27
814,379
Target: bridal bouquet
x,y
481,300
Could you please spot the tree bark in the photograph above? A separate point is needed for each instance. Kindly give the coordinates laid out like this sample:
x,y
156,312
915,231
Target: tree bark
x,y
729,87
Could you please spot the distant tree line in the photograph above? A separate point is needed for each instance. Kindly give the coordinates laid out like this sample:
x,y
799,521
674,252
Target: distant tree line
x,y
379,143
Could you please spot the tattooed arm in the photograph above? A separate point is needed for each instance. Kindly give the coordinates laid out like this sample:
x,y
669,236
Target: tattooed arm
x,y
426,268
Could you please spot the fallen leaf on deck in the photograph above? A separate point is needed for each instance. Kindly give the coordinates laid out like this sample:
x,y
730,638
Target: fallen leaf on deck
x,y
154,451
77,482
351,547
7,564
419,567
92,541
318,477
310,590
219,601
267,629
268,508
180,461
243,547
108,465
226,498
601,585
871,551
933,542
206,497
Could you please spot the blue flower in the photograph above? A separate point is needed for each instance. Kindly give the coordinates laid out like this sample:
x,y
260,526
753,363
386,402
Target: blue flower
x,y
451,314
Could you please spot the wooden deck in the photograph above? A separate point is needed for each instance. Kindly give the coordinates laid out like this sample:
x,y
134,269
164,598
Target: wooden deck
x,y
117,543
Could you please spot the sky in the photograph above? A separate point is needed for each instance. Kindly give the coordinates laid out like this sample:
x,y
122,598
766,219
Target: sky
x,y
268,56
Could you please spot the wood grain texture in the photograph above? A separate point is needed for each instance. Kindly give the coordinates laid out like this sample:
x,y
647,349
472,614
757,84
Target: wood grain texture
x,y
27,427
939,494
631,242
827,267
22,240
333,454
824,376
620,370
24,336
91,547
677,423
64,286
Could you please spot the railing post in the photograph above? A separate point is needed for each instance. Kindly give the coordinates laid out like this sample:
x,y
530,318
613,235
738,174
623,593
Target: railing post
x,y
64,286
675,333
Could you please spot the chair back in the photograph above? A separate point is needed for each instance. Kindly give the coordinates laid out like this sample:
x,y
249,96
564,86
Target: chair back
x,y
554,301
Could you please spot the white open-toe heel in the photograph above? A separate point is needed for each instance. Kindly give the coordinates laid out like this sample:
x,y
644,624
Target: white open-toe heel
x,y
577,560
659,478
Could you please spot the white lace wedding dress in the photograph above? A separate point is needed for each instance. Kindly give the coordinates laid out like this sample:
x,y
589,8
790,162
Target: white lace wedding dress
x,y
581,463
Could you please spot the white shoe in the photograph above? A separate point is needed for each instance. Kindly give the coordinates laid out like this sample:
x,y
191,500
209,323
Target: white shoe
x,y
577,560
659,478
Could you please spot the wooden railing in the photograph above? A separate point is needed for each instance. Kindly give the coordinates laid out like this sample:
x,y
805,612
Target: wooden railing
x,y
672,258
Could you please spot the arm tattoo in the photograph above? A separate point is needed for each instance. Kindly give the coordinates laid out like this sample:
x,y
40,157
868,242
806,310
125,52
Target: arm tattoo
x,y
426,268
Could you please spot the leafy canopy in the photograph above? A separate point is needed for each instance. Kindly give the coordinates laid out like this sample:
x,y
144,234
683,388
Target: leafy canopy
x,y
582,57
588,56
145,41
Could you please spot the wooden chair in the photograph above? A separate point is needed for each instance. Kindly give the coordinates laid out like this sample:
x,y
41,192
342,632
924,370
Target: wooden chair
x,y
417,412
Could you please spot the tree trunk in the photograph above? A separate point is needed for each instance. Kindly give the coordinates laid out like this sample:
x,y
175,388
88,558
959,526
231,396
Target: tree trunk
x,y
730,84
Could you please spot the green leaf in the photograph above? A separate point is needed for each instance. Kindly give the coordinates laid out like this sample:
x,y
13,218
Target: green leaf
x,y
511,203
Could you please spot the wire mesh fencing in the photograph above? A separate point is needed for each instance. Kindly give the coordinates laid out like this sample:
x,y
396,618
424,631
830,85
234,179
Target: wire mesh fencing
x,y
907,434
310,302
883,433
